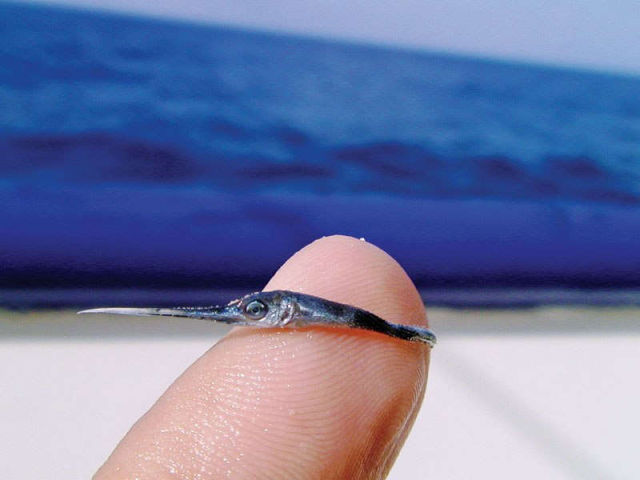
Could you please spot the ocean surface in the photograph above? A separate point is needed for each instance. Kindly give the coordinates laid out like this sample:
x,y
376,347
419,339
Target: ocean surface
x,y
148,154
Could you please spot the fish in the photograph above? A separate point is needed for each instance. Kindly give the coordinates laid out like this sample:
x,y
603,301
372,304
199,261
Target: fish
x,y
285,309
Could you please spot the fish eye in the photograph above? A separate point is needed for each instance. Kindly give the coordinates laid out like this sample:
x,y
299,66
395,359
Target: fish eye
x,y
256,309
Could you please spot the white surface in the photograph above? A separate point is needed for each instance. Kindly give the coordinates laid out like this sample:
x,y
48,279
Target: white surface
x,y
526,406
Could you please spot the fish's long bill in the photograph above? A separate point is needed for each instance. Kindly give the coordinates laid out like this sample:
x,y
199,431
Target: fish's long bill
x,y
141,312
215,314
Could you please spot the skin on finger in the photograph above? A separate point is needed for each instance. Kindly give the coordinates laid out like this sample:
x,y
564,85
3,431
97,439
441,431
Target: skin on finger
x,y
312,403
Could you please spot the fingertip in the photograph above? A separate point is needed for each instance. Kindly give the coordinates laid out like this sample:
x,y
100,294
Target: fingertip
x,y
353,271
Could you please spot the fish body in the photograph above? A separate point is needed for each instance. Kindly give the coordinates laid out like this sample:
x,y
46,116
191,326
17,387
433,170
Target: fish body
x,y
282,308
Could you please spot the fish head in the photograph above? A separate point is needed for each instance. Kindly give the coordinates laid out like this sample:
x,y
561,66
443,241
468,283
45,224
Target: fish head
x,y
274,308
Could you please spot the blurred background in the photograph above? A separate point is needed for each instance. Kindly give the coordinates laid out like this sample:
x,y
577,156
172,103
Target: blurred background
x,y
179,152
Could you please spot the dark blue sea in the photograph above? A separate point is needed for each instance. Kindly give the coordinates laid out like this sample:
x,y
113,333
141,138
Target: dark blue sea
x,y
157,156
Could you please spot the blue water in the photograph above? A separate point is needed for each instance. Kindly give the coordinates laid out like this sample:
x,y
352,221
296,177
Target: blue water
x,y
136,152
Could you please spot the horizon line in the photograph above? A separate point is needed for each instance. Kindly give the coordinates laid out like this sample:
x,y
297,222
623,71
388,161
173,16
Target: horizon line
x,y
530,61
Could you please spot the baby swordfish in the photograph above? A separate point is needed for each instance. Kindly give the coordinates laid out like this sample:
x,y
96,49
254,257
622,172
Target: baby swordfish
x,y
281,308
